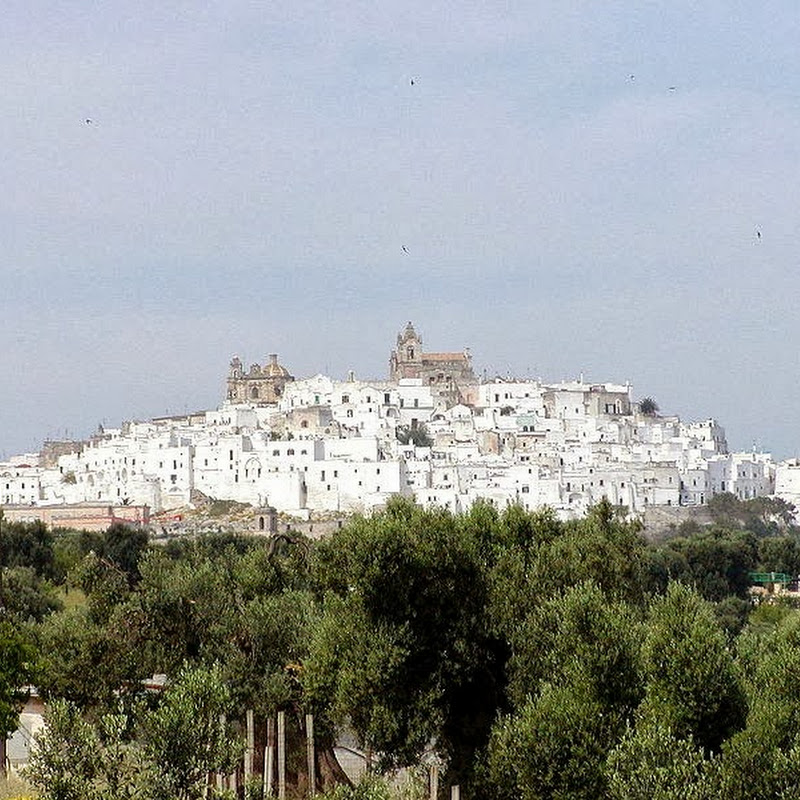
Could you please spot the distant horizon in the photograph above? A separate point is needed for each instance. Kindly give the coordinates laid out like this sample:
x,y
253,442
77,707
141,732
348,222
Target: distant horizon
x,y
482,374
572,188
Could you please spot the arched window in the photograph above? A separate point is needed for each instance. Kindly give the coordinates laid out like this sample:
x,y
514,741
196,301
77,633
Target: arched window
x,y
254,393
410,352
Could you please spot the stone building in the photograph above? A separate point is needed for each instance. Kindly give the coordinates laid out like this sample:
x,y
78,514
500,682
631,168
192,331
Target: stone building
x,y
449,375
260,385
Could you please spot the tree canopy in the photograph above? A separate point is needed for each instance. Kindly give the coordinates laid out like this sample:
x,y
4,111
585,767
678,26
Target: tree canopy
x,y
528,656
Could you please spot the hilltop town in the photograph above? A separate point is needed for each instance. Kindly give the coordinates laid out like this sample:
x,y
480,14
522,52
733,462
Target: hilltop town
x,y
431,430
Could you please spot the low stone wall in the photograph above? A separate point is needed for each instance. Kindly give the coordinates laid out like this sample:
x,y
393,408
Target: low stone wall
x,y
662,521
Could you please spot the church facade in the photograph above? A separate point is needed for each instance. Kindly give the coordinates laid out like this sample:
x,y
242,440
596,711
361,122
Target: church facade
x,y
449,375
260,385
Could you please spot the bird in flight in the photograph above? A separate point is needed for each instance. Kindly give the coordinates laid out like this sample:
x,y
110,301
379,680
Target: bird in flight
x,y
631,77
405,249
411,81
88,121
673,88
758,234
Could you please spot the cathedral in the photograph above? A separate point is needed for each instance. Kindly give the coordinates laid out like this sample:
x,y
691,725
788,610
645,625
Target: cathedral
x,y
260,385
449,375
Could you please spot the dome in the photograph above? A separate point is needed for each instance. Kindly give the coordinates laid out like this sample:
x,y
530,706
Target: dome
x,y
272,369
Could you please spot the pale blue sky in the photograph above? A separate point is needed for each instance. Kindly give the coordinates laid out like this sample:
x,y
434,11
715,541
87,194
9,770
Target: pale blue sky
x,y
252,172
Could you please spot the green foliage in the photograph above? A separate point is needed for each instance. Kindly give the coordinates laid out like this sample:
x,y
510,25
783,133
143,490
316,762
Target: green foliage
x,y
555,746
71,546
762,516
416,435
732,614
648,407
184,738
124,546
17,667
716,562
27,544
374,787
581,638
402,649
540,658
161,754
600,548
88,662
103,582
224,508
692,684
779,554
66,763
651,763
27,596
543,557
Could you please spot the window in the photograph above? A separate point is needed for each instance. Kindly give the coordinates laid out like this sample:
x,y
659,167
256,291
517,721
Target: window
x,y
345,398
386,398
416,402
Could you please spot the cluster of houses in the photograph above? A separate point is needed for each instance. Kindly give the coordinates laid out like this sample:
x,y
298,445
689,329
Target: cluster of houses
x,y
432,431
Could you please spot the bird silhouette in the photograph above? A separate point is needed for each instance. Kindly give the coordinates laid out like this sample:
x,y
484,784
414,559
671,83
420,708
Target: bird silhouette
x,y
673,88
412,81
405,249
758,234
88,121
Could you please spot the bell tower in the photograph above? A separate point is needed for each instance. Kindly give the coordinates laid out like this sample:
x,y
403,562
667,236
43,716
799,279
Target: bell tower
x,y
406,360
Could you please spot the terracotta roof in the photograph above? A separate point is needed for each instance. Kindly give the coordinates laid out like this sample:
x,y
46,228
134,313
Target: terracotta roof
x,y
444,357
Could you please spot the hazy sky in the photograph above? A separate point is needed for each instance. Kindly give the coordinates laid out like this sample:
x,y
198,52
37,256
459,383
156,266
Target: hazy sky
x,y
185,181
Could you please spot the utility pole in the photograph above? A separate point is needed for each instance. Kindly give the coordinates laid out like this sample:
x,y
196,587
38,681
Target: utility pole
x,y
2,592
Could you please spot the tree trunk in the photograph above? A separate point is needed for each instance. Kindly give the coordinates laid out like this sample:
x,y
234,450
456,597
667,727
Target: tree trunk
x,y
329,772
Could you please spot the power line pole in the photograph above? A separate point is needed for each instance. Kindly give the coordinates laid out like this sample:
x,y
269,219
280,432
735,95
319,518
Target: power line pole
x,y
2,555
